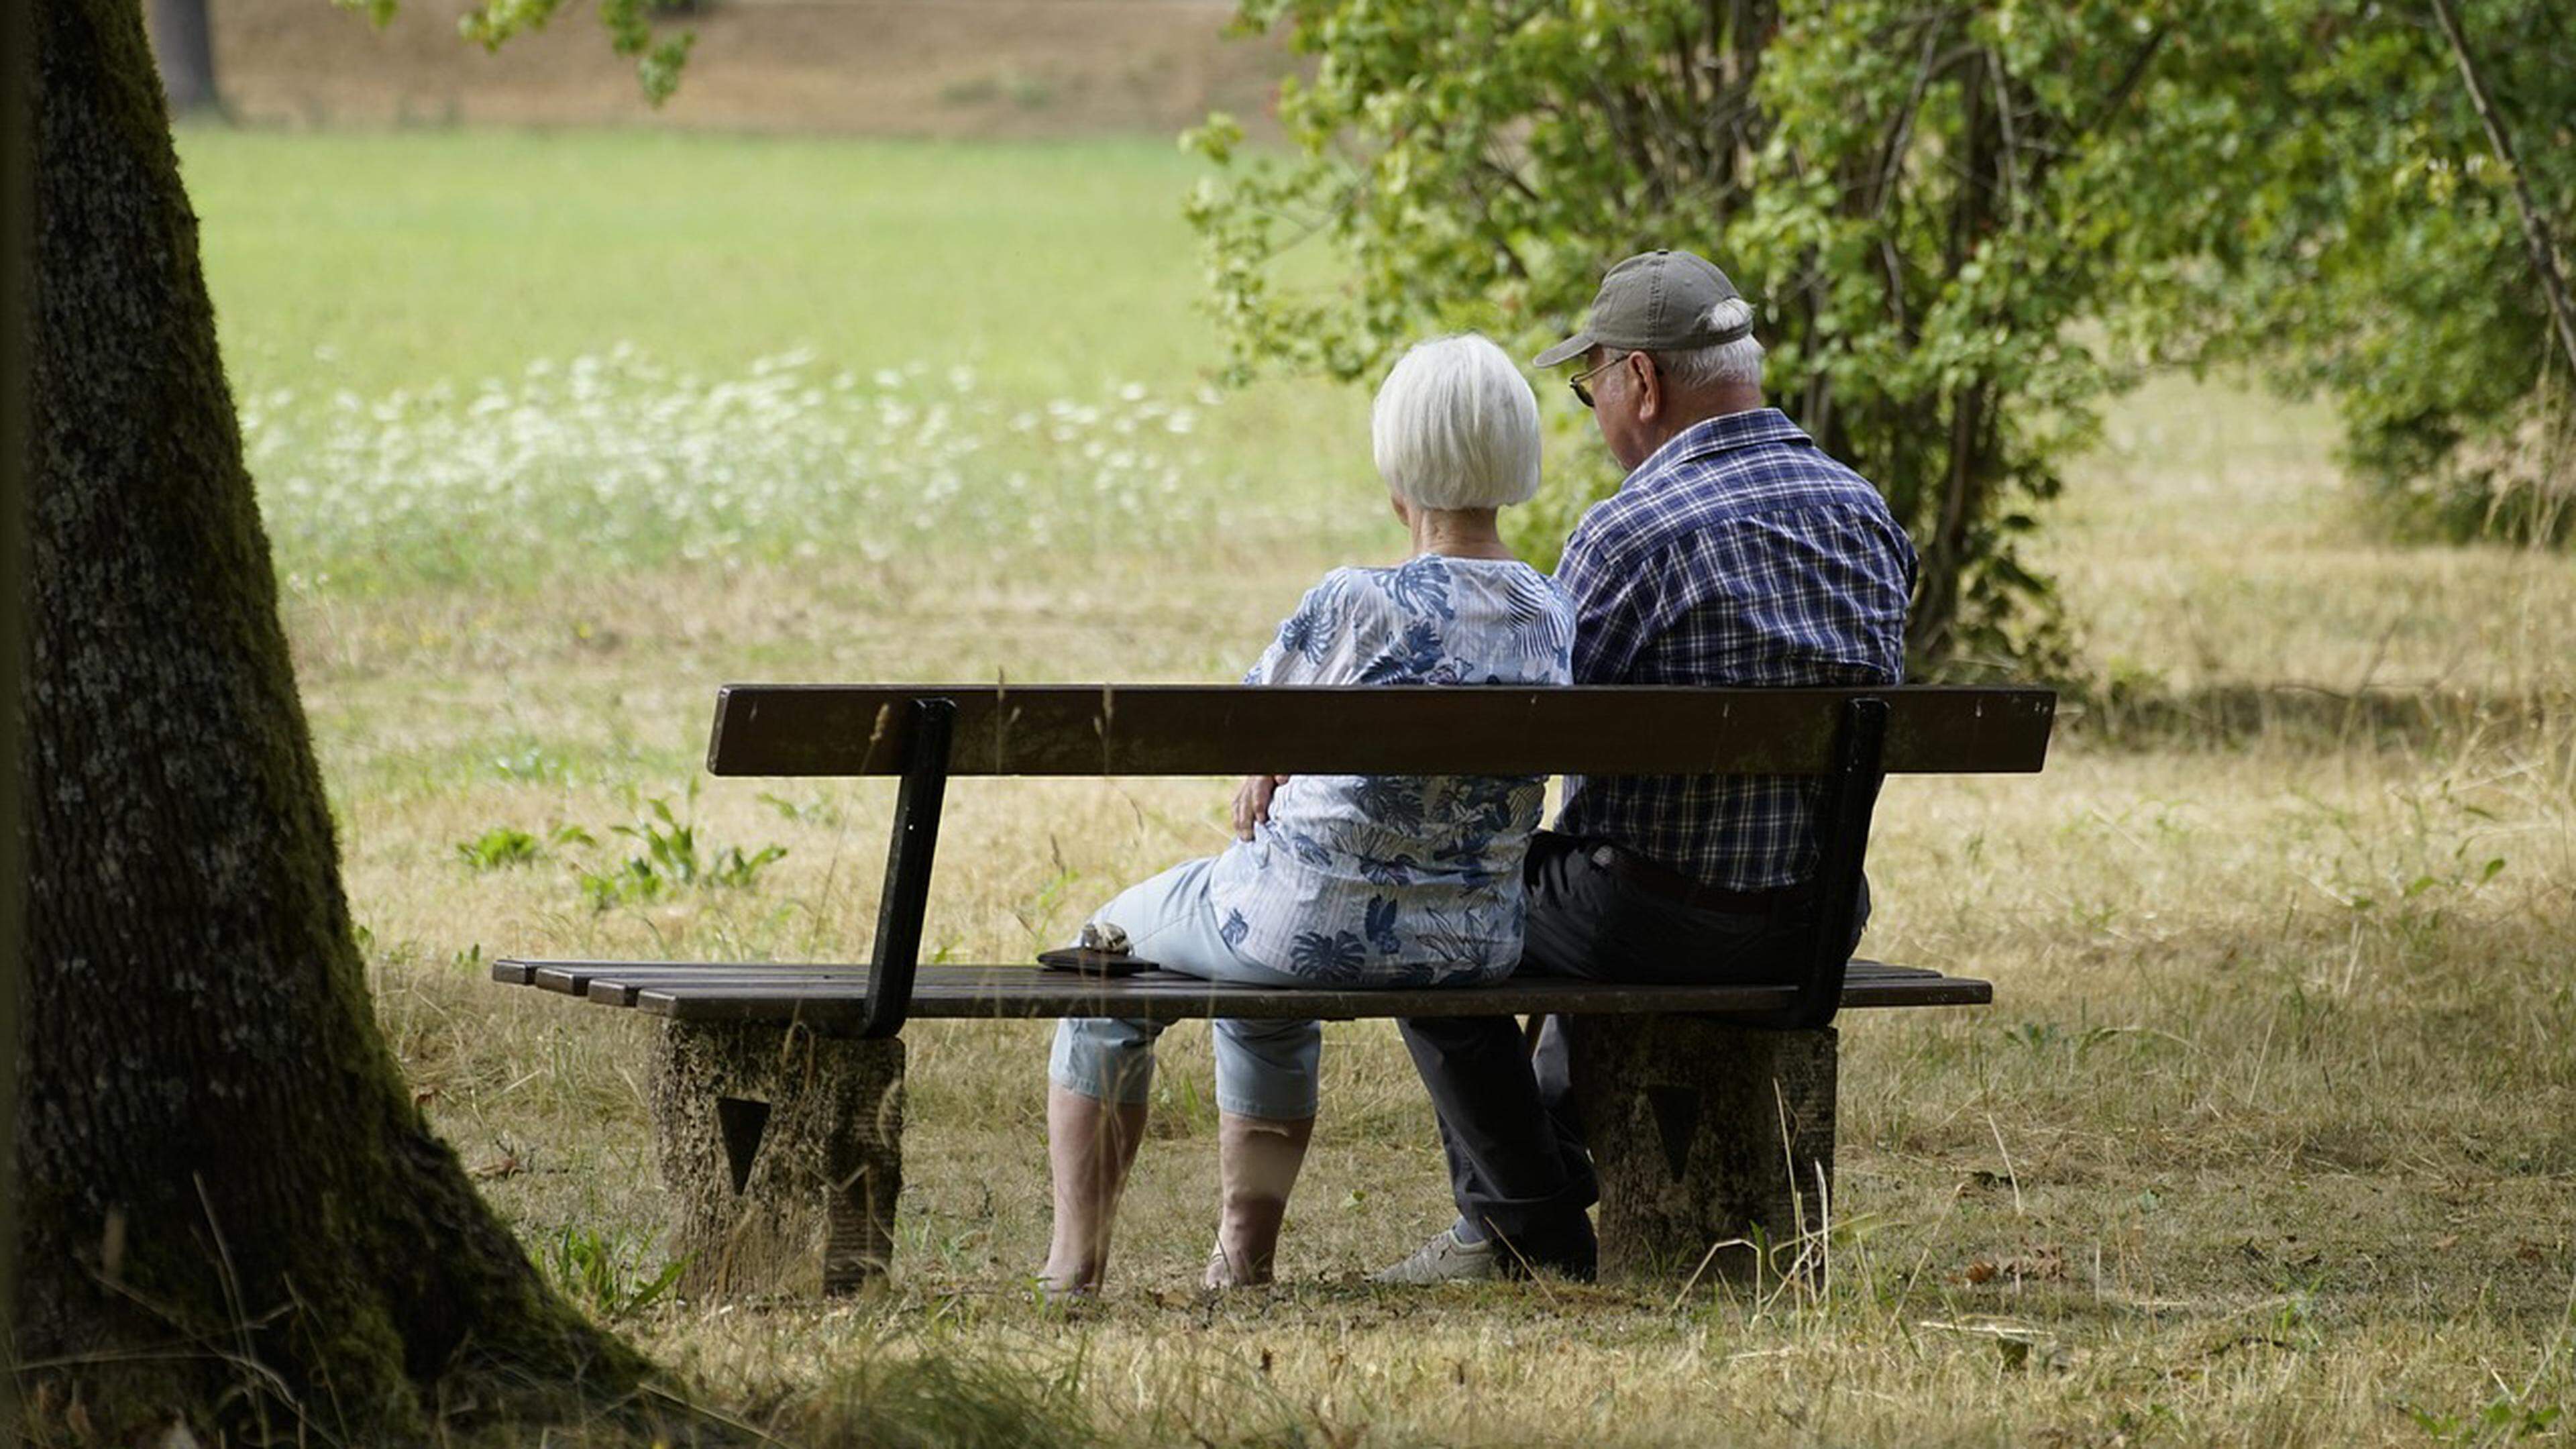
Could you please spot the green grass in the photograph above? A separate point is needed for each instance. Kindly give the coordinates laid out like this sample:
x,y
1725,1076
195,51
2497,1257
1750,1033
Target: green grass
x,y
495,360
382,261
2263,1143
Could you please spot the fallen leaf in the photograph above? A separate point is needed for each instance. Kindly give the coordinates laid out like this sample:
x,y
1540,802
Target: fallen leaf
x,y
2031,1265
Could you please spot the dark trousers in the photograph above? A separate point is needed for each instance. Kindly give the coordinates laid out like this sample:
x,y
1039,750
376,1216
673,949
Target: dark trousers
x,y
1508,1122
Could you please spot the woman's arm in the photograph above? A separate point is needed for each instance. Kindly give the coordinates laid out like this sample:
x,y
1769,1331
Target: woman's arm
x,y
1252,802
1298,654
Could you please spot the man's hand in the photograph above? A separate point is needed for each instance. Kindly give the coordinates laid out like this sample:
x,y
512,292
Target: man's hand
x,y
1252,802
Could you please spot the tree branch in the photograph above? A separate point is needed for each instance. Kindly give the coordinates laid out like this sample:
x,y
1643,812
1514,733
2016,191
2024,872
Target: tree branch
x,y
2535,230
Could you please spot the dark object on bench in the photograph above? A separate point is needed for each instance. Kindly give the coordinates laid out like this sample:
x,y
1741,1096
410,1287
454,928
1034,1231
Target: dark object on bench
x,y
1084,961
1709,1108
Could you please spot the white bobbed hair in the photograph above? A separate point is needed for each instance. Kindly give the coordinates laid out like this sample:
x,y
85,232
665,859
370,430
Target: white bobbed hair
x,y
1456,426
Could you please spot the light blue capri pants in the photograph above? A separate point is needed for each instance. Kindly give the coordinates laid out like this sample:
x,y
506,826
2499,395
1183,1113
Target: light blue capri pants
x,y
1263,1068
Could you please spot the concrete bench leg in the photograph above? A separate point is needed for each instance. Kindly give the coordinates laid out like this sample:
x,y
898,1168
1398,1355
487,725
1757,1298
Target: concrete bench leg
x,y
1704,1132
783,1153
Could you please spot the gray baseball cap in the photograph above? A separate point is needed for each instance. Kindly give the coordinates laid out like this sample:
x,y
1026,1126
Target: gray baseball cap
x,y
1654,302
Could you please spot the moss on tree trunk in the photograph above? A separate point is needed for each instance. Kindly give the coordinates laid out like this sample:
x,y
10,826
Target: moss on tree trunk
x,y
225,1183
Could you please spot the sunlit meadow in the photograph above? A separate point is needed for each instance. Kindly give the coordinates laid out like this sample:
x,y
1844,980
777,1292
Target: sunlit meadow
x,y
2264,1141
614,463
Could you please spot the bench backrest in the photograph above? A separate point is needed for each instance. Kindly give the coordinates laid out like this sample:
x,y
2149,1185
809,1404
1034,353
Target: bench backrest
x,y
1159,729
1849,739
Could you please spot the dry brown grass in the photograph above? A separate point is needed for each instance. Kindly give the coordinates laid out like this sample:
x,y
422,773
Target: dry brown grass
x,y
1020,68
2265,1141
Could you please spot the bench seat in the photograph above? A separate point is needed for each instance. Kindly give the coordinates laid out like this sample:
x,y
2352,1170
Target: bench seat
x,y
827,996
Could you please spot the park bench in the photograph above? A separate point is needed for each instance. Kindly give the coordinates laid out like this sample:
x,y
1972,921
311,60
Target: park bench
x,y
778,1114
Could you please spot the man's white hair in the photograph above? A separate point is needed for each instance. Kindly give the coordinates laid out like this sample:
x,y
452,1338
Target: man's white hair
x,y
1456,426
1739,361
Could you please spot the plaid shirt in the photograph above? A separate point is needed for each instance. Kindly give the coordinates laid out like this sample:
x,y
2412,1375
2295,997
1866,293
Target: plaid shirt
x,y
1739,554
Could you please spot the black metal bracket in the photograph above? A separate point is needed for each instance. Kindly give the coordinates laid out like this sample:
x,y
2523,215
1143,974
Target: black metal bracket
x,y
927,728
1842,820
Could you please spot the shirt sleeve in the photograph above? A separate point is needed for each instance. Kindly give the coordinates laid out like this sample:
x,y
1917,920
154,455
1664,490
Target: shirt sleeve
x,y
1308,640
1618,606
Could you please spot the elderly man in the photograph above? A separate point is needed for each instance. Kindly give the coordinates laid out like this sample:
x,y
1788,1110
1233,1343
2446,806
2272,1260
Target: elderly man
x,y
1735,553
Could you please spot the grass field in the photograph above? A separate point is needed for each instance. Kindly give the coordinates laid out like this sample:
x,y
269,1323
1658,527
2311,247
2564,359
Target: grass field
x,y
2265,1141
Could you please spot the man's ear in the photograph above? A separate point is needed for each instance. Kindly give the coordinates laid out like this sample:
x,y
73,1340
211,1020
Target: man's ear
x,y
1650,386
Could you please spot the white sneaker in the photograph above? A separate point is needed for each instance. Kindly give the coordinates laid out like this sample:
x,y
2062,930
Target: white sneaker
x,y
1444,1259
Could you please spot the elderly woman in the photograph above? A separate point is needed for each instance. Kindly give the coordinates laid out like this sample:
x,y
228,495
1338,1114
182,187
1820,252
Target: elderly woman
x,y
1347,880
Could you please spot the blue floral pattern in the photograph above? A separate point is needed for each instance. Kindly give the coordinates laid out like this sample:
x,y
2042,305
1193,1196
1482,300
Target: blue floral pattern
x,y
1392,880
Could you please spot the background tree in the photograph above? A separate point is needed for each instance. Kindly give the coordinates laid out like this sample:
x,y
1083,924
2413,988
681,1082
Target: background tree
x,y
2368,242
1964,224
658,59
230,1206
1912,194
183,41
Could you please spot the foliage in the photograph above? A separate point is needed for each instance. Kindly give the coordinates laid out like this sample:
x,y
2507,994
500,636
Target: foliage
x,y
2373,249
494,23
608,1273
500,846
672,859
503,846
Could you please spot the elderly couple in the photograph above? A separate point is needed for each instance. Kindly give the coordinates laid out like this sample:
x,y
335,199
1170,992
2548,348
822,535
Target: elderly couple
x,y
1735,553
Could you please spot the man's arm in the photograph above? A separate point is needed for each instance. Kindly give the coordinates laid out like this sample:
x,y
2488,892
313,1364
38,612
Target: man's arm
x,y
1618,600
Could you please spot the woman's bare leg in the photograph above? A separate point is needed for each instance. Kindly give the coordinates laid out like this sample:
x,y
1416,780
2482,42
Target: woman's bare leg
x,y
1090,1146
1257,1161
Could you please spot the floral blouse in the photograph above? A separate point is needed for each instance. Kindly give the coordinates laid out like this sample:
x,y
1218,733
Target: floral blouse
x,y
1395,880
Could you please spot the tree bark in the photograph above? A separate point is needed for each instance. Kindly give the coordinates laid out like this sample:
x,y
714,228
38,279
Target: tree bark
x,y
17,162
183,40
1969,472
231,1209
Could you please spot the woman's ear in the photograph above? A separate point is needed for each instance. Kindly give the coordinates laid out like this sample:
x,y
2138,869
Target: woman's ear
x,y
1403,512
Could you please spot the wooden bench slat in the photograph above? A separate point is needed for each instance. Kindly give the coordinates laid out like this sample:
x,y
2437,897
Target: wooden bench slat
x,y
585,978
823,994
603,980
807,730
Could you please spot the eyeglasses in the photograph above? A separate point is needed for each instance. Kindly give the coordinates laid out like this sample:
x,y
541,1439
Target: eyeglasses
x,y
1583,394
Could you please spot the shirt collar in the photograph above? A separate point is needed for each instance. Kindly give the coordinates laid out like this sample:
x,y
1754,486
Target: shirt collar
x,y
1726,433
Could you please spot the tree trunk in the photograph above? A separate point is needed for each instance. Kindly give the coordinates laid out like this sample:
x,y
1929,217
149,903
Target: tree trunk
x,y
183,40
17,239
231,1210
1932,624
